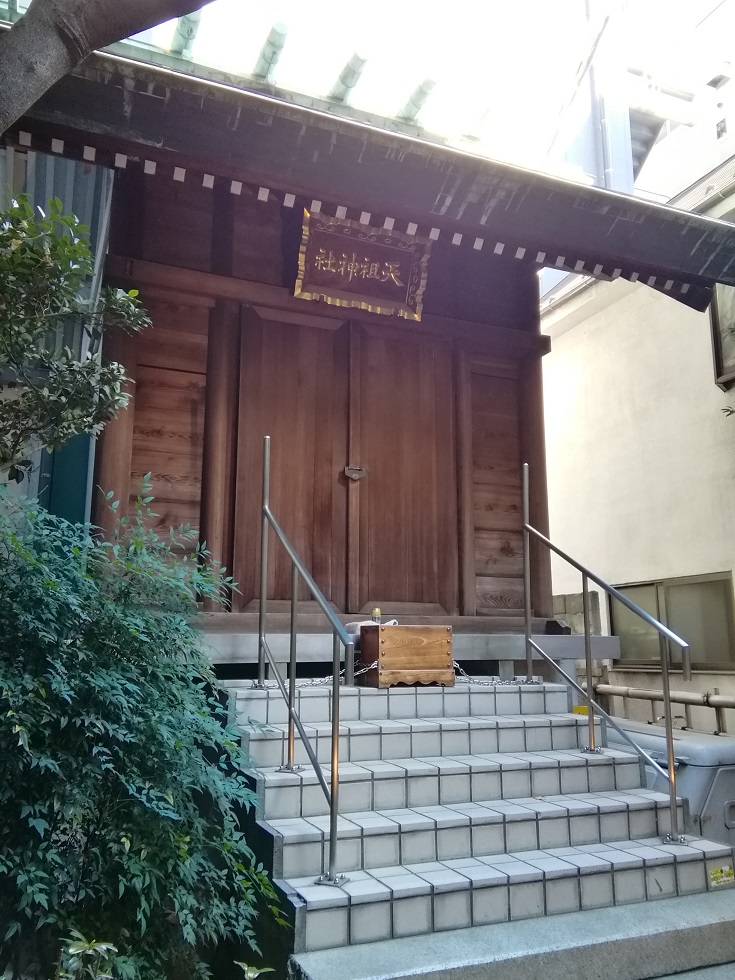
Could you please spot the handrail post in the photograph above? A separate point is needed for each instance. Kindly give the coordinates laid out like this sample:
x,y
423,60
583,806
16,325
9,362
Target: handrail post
x,y
673,834
290,767
527,572
331,877
350,665
588,664
264,559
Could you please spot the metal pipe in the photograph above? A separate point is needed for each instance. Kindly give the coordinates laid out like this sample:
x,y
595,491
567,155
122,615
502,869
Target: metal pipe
x,y
292,664
610,589
646,694
350,665
297,721
719,712
264,559
588,662
610,720
686,664
527,571
334,802
669,723
311,585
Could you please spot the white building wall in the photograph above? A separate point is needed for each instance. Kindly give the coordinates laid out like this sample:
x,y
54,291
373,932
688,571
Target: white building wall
x,y
641,458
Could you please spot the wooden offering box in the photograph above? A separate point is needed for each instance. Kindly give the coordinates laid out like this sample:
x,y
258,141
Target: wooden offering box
x,y
406,655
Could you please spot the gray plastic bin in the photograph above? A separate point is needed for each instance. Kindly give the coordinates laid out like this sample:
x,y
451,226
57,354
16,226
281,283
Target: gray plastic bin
x,y
705,773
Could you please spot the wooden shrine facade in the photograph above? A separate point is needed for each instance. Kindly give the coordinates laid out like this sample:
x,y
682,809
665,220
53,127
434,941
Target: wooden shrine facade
x,y
436,416
432,418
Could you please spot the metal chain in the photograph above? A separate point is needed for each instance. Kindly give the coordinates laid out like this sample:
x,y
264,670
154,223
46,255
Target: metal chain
x,y
317,681
481,681
490,681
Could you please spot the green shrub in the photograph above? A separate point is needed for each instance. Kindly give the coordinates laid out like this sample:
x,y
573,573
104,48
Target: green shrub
x,y
120,785
53,384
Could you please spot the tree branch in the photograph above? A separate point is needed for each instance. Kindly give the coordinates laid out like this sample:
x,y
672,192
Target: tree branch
x,y
54,36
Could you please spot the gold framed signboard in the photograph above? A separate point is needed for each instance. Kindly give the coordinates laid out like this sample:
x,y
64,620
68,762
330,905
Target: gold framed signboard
x,y
345,263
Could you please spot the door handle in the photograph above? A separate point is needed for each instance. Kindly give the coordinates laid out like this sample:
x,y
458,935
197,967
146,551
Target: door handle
x,y
354,473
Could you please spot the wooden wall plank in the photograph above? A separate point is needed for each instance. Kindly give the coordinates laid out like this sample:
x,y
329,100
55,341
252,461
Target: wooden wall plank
x,y
499,553
497,508
496,596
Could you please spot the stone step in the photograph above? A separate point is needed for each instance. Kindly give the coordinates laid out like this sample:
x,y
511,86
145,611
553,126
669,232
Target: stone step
x,y
410,900
395,783
418,738
379,838
629,942
313,701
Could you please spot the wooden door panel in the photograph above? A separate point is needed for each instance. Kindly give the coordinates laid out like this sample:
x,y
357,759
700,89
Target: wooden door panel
x,y
407,500
292,389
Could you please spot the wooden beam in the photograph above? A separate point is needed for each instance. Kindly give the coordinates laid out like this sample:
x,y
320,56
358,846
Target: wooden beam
x,y
482,338
465,504
114,450
220,432
533,452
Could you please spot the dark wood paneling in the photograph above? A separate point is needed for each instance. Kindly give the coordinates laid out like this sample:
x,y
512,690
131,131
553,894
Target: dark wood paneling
x,y
286,392
220,430
408,499
256,246
177,222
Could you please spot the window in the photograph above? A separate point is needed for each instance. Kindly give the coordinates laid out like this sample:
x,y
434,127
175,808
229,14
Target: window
x,y
699,610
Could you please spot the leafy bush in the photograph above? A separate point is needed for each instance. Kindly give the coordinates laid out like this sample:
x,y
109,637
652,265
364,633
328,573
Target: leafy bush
x,y
120,784
58,387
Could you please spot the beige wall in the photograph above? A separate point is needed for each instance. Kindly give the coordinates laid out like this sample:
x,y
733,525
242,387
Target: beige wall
x,y
641,459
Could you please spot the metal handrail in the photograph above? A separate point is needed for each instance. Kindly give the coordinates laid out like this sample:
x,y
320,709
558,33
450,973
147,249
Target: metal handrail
x,y
339,636
663,631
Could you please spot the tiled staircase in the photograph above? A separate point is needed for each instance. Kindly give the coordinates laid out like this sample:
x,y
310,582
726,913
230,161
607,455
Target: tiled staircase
x,y
459,807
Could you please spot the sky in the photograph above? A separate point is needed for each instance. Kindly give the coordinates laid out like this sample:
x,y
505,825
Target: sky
x,y
504,69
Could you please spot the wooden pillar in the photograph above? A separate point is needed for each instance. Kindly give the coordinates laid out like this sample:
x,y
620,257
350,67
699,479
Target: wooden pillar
x,y
533,452
465,503
114,449
220,431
